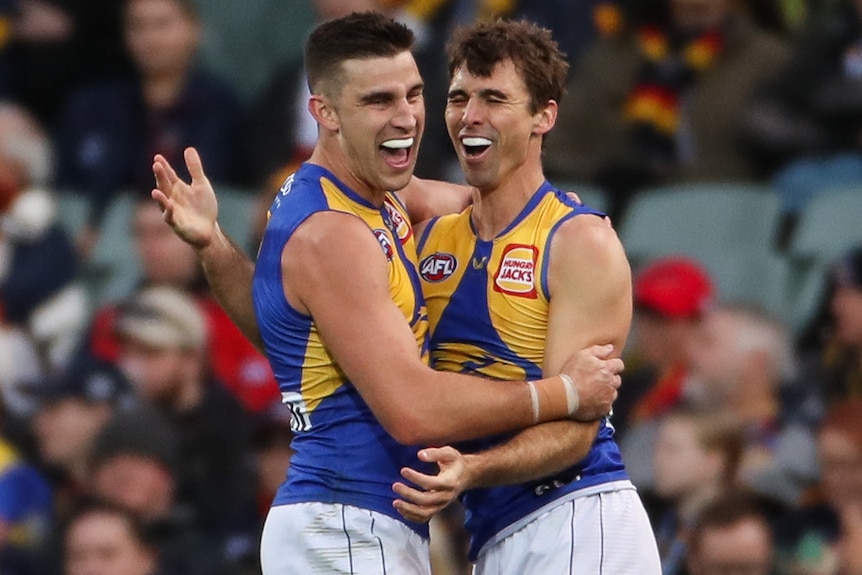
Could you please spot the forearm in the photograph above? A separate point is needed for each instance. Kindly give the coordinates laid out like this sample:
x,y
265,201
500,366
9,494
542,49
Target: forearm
x,y
534,453
229,273
443,407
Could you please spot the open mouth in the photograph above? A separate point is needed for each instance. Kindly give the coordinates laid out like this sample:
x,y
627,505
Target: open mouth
x,y
396,152
475,146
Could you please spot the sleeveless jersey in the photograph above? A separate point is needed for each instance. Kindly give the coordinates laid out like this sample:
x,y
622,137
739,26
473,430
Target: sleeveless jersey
x,y
488,313
341,453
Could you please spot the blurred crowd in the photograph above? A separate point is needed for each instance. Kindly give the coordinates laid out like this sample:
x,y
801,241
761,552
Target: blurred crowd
x,y
141,434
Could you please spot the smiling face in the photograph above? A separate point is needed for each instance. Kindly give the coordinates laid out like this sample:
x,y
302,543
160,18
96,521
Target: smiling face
x,y
377,116
495,133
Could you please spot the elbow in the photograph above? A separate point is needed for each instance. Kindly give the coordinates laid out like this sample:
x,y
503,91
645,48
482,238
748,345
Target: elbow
x,y
412,427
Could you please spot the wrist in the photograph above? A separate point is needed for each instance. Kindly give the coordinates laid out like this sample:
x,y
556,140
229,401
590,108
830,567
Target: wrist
x,y
553,398
209,244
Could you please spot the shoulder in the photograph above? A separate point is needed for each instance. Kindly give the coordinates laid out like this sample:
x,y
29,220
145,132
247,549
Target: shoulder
x,y
322,230
104,96
586,231
587,244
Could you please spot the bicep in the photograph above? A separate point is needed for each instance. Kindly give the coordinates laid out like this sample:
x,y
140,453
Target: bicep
x,y
590,288
335,271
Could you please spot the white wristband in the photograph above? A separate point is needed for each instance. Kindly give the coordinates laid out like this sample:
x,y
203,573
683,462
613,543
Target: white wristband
x,y
572,399
534,398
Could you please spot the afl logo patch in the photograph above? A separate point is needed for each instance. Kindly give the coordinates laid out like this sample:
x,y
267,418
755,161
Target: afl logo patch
x,y
385,243
400,226
437,267
517,272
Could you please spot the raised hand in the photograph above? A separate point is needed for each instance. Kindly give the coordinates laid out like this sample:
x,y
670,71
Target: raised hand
x,y
190,209
434,492
596,378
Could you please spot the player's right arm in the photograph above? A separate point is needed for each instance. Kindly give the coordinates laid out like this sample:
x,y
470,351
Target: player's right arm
x,y
335,271
192,211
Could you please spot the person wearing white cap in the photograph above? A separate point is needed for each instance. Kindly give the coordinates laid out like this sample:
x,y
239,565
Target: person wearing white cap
x,y
163,342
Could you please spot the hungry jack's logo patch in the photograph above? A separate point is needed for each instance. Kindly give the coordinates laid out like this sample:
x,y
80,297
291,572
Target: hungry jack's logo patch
x,y
516,274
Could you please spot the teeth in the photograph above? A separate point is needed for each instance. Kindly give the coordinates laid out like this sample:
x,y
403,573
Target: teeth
x,y
398,144
475,141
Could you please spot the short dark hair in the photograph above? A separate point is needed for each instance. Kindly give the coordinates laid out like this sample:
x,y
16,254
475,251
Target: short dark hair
x,y
531,48
731,507
360,35
89,505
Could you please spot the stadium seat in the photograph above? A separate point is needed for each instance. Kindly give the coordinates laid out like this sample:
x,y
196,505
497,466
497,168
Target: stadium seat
x,y
235,212
112,269
831,224
73,209
727,227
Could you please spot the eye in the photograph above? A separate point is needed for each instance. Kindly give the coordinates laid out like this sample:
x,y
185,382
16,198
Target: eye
x,y
457,100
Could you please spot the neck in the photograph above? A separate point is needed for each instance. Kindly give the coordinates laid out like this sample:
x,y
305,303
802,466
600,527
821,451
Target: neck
x,y
189,397
495,207
756,406
332,158
163,90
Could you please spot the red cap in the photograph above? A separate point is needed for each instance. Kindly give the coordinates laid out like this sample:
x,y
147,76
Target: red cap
x,y
674,287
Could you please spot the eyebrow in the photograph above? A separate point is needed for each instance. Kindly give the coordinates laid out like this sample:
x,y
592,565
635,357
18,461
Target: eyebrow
x,y
387,95
484,94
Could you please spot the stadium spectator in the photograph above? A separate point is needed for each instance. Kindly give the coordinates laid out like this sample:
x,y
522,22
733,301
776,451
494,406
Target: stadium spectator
x,y
73,408
26,509
742,360
808,133
165,260
831,347
38,267
732,534
103,539
135,465
697,455
110,130
664,101
670,296
163,337
824,536
56,45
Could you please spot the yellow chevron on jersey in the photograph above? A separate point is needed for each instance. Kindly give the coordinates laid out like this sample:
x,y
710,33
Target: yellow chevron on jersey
x,y
488,300
488,305
342,454
311,190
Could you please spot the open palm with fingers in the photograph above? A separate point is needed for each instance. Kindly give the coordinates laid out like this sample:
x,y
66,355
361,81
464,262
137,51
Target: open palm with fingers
x,y
190,209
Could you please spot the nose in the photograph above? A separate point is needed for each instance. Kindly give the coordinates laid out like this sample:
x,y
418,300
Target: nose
x,y
407,114
473,112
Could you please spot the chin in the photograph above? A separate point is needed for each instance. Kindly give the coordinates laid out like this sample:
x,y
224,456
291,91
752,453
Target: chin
x,y
395,183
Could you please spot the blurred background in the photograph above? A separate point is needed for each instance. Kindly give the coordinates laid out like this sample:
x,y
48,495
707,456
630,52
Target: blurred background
x,y
723,137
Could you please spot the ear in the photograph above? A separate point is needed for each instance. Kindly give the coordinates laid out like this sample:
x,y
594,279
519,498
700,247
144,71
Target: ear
x,y
323,112
544,119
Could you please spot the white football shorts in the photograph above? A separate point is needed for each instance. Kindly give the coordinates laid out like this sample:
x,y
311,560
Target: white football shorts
x,y
335,539
605,533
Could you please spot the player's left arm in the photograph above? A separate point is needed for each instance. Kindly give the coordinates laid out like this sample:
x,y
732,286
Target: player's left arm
x,y
589,280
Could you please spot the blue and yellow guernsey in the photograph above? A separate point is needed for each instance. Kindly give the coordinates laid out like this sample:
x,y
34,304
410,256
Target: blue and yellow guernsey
x,y
342,454
488,312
